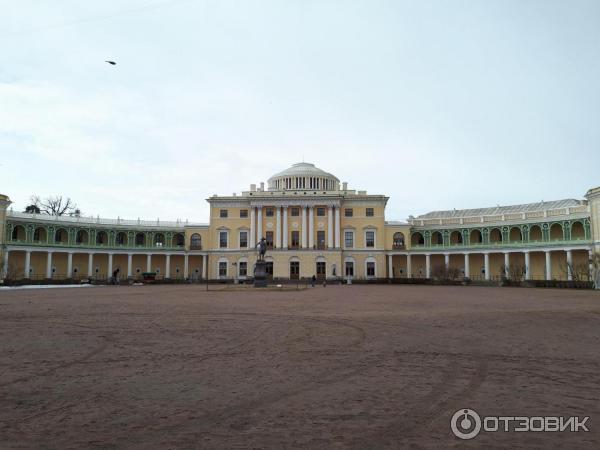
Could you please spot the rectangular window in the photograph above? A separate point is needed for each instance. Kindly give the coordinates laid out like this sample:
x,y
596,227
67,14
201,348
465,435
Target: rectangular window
x,y
243,268
269,239
321,239
321,212
349,239
349,269
223,269
370,269
321,269
295,212
270,212
222,239
348,212
223,213
294,270
370,239
370,212
295,239
243,239
243,213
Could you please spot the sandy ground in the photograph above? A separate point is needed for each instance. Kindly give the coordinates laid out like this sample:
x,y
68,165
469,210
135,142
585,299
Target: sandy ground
x,y
342,367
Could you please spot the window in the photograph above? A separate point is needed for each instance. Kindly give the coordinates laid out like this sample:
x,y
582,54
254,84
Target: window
x,y
295,239
321,239
222,268
243,213
222,239
269,269
348,212
196,242
270,212
349,239
370,239
321,269
269,239
321,212
243,239
349,269
223,213
370,269
243,266
370,212
294,270
295,212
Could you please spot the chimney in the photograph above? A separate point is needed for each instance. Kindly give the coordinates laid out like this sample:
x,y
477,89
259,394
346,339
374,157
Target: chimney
x,y
252,187
345,186
262,185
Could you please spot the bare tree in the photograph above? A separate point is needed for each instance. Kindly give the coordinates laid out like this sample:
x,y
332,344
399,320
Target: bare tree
x,y
595,269
516,271
55,205
579,272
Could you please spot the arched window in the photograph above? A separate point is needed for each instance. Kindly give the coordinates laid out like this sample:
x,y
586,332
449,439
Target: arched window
x,y
102,238
475,237
417,239
121,238
556,232
437,238
456,238
61,236
19,234
515,235
577,230
178,240
40,235
196,242
81,237
398,240
140,239
535,233
495,235
159,240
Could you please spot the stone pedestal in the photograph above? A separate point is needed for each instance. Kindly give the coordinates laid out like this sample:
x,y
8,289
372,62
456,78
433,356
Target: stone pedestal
x,y
260,274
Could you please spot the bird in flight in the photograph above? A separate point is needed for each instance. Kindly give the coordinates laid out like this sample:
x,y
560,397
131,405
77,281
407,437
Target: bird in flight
x,y
111,62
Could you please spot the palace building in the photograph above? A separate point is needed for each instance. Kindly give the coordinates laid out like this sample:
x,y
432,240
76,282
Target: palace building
x,y
313,225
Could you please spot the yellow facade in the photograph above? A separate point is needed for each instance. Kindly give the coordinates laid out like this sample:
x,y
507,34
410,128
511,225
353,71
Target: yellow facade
x,y
314,226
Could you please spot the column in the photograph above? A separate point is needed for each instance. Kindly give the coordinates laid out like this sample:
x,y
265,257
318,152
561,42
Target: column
x,y
69,265
168,266
90,264
303,242
252,228
110,262
467,269
548,265
129,265
278,227
569,265
311,227
337,227
330,227
49,265
447,260
5,264
390,267
285,227
204,267
259,227
486,262
149,263
27,263
408,266
527,271
507,265
428,266
186,266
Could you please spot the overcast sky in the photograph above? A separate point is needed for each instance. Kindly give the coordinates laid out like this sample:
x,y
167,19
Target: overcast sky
x,y
439,105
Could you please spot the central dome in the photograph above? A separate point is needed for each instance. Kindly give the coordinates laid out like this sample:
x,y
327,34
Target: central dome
x,y
303,176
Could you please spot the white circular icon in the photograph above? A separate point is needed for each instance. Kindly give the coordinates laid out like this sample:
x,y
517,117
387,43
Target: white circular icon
x,y
465,423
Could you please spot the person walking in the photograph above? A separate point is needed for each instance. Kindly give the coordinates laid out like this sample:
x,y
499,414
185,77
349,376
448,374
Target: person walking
x,y
313,280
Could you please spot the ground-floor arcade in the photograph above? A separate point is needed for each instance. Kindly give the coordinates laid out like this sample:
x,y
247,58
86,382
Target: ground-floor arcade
x,y
39,264
538,264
